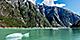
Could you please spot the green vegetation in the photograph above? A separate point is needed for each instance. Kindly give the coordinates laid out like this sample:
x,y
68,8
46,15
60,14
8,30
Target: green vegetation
x,y
10,22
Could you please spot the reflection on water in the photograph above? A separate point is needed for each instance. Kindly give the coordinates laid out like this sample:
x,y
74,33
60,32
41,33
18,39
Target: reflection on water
x,y
76,34
50,35
44,34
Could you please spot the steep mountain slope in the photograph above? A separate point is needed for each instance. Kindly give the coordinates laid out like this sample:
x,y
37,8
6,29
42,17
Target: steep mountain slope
x,y
20,14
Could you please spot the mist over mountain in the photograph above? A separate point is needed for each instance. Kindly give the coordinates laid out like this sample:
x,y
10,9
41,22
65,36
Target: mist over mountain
x,y
27,14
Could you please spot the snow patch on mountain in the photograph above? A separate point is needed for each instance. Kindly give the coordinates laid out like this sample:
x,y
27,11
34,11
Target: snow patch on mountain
x,y
51,3
33,1
48,3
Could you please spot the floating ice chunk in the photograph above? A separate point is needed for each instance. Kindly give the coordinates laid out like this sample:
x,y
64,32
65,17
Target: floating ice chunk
x,y
26,35
16,36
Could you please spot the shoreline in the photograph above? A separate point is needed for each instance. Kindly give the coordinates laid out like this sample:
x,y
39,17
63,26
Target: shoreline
x,y
54,28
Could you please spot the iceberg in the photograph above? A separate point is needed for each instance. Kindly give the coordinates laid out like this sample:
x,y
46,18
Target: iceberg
x,y
16,36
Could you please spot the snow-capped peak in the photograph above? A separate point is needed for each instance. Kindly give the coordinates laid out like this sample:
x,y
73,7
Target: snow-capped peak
x,y
33,1
48,3
51,3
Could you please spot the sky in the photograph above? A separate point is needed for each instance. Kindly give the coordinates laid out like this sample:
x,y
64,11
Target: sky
x,y
73,5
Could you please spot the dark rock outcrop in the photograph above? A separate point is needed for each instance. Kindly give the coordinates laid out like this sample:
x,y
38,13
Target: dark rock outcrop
x,y
76,24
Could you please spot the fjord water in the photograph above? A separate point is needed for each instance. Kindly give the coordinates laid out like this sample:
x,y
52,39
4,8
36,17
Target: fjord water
x,y
43,34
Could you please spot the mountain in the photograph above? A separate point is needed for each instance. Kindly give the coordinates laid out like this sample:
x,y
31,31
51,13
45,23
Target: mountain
x,y
26,14
21,15
63,16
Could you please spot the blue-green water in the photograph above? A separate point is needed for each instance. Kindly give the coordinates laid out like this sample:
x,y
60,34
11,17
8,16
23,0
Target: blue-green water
x,y
43,34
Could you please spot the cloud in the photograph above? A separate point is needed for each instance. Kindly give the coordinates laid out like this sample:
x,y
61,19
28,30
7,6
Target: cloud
x,y
60,5
55,0
48,3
